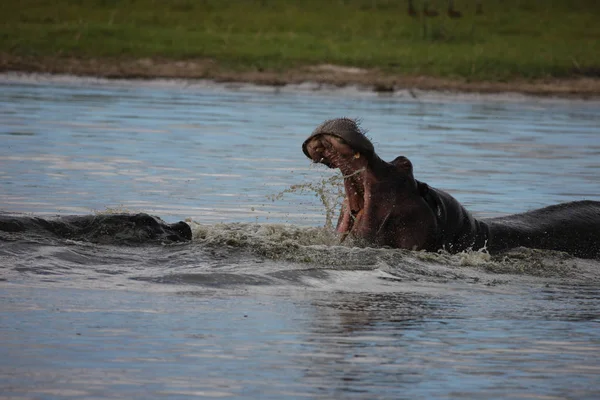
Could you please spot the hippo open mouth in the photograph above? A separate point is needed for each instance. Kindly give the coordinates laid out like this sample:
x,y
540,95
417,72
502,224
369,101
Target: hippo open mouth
x,y
340,144
336,153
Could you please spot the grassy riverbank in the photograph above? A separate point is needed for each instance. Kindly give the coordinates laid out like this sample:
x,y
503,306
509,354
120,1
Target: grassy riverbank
x,y
513,40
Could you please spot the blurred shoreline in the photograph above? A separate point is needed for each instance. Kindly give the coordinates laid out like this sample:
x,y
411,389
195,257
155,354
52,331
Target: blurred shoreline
x,y
325,74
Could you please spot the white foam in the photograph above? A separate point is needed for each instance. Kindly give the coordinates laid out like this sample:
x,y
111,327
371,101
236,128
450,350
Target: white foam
x,y
320,247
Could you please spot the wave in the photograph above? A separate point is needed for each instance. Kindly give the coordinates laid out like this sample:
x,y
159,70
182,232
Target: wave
x,y
104,249
321,247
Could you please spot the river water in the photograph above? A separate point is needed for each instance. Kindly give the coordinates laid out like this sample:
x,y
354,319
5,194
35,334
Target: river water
x,y
264,302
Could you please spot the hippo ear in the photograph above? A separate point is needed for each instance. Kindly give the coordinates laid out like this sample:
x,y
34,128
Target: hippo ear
x,y
423,188
403,164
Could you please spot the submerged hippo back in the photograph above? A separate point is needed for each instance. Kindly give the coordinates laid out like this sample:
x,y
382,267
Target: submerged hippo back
x,y
570,227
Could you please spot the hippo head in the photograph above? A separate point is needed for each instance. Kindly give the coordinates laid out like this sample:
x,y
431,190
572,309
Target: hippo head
x,y
384,204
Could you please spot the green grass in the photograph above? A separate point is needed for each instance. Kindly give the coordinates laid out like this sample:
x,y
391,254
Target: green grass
x,y
512,39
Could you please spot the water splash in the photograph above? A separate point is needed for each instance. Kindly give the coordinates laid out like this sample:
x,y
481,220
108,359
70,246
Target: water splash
x,y
330,191
120,209
321,248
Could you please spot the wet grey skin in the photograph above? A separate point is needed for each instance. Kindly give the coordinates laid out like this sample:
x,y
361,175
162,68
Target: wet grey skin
x,y
386,206
101,228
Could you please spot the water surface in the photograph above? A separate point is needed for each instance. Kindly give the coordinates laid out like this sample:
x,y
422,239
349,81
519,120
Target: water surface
x,y
264,303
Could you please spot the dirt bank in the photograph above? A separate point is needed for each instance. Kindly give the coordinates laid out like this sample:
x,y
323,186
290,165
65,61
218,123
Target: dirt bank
x,y
326,74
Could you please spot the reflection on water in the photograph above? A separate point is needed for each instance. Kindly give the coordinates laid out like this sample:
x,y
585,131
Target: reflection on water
x,y
282,311
279,345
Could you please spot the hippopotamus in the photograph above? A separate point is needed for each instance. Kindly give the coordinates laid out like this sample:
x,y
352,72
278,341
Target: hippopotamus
x,y
385,205
100,228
